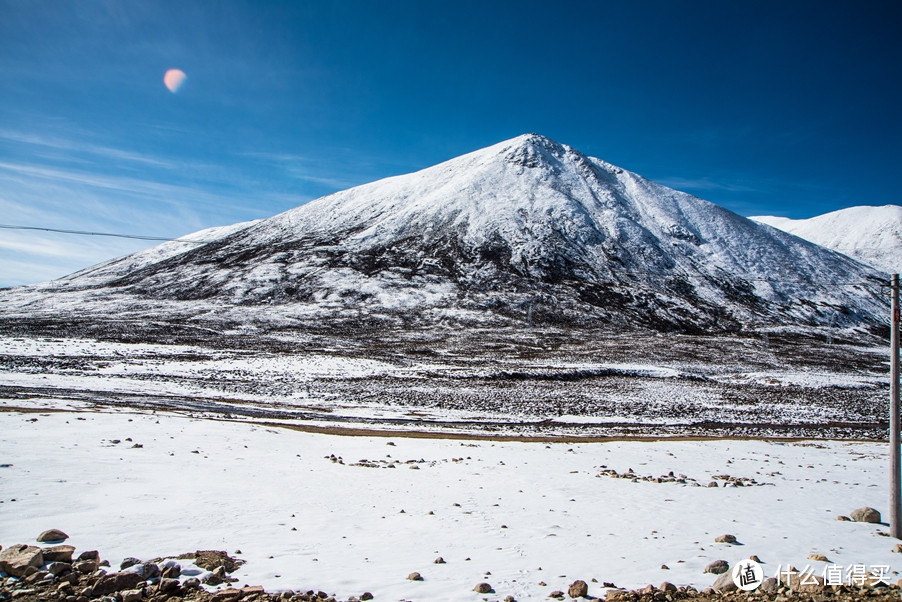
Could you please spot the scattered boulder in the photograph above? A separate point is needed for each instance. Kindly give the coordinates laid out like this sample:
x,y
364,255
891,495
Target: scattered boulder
x,y
58,568
52,535
727,538
132,595
439,560
754,558
366,596
116,582
127,562
578,589
865,515
150,571
483,588
802,582
93,555
171,569
211,559
15,560
167,586
227,595
843,518
818,557
58,554
211,579
897,548
668,588
718,567
770,585
414,577
724,583
557,594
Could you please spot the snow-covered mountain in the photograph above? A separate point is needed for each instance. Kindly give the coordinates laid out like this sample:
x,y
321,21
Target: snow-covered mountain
x,y
527,230
872,235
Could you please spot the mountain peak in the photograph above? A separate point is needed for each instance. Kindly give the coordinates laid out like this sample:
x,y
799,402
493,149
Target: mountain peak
x,y
533,150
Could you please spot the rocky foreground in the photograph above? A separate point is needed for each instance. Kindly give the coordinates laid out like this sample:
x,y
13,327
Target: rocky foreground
x,y
31,573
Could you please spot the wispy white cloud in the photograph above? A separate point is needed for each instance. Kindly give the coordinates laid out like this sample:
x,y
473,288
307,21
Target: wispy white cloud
x,y
703,184
83,147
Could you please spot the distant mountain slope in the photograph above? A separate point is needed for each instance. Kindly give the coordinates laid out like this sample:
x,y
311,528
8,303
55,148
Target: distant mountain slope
x,y
872,235
115,268
527,230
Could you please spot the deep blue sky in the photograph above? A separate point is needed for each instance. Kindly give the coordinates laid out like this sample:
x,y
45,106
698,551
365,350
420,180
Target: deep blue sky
x,y
785,108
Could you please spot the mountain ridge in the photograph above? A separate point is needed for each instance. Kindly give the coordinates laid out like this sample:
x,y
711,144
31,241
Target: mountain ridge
x,y
869,234
524,230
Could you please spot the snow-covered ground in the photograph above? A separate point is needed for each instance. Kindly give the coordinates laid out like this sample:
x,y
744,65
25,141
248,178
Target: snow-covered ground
x,y
512,514
702,386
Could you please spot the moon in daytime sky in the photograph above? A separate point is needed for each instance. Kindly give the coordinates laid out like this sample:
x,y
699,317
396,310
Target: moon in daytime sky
x,y
174,79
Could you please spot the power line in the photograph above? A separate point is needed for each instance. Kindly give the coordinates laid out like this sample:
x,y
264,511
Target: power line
x,y
85,233
632,272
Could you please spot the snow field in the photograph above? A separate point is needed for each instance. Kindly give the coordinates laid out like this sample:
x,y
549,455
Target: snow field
x,y
525,512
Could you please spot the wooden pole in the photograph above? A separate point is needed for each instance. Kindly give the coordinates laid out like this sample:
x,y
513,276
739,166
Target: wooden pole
x,y
895,516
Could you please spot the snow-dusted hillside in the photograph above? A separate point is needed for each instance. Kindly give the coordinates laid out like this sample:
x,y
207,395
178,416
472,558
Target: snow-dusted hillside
x,y
872,235
525,231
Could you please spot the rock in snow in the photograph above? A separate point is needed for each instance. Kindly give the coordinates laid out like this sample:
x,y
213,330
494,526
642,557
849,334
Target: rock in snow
x,y
865,515
525,231
52,535
15,560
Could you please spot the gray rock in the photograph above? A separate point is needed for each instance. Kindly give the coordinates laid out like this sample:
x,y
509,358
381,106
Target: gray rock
x,y
132,595
90,555
227,595
58,554
191,583
718,567
116,582
414,577
211,579
725,538
171,569
52,535
15,560
151,571
85,567
366,596
58,568
167,586
769,586
127,562
724,583
483,588
578,589
865,515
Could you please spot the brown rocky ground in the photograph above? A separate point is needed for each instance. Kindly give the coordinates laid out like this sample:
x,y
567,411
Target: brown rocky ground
x,y
51,574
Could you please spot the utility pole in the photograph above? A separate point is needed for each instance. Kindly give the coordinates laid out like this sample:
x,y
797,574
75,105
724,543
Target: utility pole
x,y
895,520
